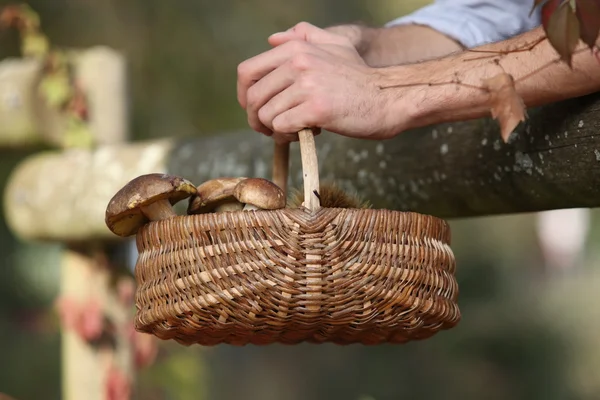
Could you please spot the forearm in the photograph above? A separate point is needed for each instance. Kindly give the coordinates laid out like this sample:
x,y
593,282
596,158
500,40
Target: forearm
x,y
538,80
397,45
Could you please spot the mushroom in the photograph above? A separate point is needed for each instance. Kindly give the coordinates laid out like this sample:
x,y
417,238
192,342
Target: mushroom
x,y
215,195
146,198
259,193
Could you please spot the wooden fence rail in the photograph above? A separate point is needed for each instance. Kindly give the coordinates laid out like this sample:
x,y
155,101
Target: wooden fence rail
x,y
452,170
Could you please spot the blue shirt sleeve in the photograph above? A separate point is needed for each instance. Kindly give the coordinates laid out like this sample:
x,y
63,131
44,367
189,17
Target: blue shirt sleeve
x,y
475,22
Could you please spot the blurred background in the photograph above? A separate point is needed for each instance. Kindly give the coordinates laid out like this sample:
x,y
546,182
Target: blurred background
x,y
528,283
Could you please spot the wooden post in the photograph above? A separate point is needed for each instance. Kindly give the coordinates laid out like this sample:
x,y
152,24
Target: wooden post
x,y
86,276
18,121
86,270
89,367
450,171
26,120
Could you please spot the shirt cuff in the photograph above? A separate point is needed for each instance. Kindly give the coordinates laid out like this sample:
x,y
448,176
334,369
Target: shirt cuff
x,y
467,26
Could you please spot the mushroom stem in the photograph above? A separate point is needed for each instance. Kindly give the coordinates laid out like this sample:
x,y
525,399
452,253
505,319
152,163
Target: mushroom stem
x,y
249,207
229,206
161,209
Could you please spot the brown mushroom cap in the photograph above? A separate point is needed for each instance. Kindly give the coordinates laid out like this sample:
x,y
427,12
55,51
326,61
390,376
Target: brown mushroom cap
x,y
212,194
261,193
124,214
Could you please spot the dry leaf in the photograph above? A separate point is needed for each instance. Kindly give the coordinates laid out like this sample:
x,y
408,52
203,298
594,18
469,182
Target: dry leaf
x,y
562,30
588,14
506,105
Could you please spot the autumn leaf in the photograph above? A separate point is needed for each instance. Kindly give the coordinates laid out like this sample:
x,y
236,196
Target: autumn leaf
x,y
588,14
563,31
536,4
548,8
20,16
506,105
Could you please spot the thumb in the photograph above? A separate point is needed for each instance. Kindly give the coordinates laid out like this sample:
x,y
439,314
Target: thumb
x,y
307,32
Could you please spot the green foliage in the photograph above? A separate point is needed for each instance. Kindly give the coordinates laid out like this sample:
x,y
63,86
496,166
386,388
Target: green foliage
x,y
56,89
77,133
179,374
34,45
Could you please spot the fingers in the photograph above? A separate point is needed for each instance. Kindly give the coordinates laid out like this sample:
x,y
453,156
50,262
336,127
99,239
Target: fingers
x,y
282,138
269,89
287,124
277,105
306,32
301,87
255,68
290,111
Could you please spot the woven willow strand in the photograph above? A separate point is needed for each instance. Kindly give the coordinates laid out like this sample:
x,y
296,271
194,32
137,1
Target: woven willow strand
x,y
384,277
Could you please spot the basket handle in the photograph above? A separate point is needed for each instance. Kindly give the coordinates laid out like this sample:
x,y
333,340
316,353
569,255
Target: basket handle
x,y
310,168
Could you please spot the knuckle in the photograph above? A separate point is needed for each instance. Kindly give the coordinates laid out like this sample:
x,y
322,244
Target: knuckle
x,y
344,41
294,46
264,115
251,97
302,26
307,82
320,109
301,61
242,70
252,123
280,125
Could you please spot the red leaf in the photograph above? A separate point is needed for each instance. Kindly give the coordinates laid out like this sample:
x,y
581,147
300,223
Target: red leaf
x,y
117,385
145,349
548,8
588,14
91,321
563,31
505,103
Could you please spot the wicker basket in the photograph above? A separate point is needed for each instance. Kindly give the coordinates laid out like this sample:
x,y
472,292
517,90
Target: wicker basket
x,y
296,274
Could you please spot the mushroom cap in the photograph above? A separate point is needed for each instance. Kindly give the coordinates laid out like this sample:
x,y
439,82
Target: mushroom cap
x,y
124,211
210,194
261,193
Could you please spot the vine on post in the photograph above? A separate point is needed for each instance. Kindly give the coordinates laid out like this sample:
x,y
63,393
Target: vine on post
x,y
58,86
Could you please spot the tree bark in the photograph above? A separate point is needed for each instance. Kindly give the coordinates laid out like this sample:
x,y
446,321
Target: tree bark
x,y
451,170
62,196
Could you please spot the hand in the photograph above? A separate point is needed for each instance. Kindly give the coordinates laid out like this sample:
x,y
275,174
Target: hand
x,y
319,81
359,36
354,33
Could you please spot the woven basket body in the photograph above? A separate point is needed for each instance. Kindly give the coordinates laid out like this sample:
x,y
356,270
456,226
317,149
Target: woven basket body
x,y
291,275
